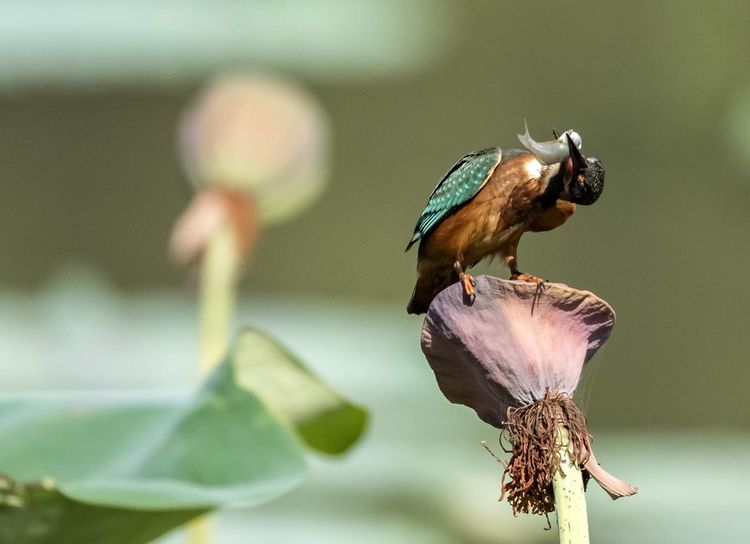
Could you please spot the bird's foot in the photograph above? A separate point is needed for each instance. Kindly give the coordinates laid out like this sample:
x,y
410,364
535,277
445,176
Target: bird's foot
x,y
520,276
467,280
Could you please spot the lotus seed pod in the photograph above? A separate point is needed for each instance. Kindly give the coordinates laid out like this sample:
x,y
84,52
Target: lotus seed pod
x,y
514,353
516,341
265,137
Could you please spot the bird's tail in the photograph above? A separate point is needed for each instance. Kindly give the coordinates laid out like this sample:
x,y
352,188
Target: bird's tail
x,y
429,284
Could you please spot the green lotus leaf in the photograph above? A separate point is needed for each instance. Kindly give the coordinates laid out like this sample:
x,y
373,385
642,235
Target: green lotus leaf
x,y
325,420
100,463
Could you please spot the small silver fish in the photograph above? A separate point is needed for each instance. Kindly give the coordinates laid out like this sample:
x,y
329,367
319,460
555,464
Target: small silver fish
x,y
553,151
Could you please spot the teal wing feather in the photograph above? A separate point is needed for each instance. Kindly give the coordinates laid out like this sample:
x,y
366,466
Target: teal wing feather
x,y
462,182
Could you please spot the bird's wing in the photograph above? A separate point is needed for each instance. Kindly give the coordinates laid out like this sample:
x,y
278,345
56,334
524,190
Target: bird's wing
x,y
462,182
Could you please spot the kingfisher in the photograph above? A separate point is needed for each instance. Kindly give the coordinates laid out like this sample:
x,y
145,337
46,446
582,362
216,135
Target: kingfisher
x,y
488,199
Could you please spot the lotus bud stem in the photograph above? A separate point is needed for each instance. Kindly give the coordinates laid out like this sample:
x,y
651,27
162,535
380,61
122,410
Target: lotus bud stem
x,y
217,294
218,281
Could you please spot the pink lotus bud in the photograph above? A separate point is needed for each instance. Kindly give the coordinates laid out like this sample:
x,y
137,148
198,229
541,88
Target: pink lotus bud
x,y
209,211
265,137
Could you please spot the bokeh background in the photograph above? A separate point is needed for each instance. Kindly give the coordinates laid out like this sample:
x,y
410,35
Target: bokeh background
x,y
90,95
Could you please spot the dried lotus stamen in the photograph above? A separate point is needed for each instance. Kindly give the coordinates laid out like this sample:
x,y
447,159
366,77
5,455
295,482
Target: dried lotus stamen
x,y
533,433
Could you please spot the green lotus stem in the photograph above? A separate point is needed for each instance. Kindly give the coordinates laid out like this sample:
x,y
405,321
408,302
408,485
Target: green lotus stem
x,y
217,295
199,531
570,500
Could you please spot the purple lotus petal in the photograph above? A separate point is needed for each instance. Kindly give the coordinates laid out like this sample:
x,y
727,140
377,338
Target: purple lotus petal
x,y
614,486
512,343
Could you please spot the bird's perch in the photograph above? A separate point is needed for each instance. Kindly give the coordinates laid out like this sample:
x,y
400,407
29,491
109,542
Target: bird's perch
x,y
515,355
570,501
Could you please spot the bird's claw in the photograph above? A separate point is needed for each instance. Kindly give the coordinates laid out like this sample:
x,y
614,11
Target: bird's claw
x,y
468,282
520,276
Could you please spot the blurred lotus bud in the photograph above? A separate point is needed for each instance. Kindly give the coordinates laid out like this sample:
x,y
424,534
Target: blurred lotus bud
x,y
210,210
256,150
261,136
515,356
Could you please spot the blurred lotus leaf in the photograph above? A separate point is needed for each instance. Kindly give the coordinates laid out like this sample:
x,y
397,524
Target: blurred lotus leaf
x,y
39,513
325,421
127,467
263,136
321,39
136,459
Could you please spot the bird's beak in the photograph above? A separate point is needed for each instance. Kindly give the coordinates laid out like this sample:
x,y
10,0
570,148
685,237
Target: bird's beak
x,y
579,162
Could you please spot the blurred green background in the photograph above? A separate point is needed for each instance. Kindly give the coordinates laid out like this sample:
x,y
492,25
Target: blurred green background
x,y
659,91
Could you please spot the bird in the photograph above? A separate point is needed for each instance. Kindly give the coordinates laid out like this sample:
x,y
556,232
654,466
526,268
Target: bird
x,y
489,199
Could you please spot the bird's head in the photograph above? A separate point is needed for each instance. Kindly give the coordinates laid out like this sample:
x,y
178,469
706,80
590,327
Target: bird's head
x,y
585,180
